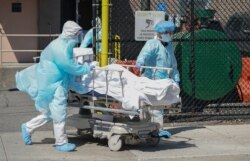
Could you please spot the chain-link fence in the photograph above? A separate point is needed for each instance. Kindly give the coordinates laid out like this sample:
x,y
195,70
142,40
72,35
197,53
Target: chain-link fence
x,y
211,45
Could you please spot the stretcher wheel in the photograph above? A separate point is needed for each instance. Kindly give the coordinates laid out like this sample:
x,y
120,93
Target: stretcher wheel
x,y
115,143
153,141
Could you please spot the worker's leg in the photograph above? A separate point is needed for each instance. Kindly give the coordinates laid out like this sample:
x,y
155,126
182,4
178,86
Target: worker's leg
x,y
157,116
58,114
60,133
37,122
29,127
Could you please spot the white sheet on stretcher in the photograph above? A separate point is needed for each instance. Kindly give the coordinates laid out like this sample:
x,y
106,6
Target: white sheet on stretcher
x,y
135,89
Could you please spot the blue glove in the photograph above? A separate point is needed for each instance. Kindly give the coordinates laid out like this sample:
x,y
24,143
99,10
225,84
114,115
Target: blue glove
x,y
138,65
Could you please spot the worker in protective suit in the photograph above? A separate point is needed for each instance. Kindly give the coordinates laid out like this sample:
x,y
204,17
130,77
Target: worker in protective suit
x,y
48,83
158,52
88,38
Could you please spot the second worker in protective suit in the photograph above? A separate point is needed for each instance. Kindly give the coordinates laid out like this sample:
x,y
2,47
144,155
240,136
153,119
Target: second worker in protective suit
x,y
88,39
158,52
48,83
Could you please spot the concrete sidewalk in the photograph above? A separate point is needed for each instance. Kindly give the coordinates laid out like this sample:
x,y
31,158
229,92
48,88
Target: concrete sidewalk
x,y
217,143
188,143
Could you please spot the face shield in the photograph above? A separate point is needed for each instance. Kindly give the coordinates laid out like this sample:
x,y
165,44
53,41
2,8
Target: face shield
x,y
79,36
165,36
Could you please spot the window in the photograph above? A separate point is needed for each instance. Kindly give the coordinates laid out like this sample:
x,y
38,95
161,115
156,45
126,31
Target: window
x,y
16,7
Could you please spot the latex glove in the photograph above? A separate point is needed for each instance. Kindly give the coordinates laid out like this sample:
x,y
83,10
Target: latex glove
x,y
138,65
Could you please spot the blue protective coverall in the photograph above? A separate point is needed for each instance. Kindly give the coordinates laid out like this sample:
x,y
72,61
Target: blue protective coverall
x,y
154,54
48,82
53,73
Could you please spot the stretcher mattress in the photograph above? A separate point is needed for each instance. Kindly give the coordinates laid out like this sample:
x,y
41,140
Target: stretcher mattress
x,y
119,83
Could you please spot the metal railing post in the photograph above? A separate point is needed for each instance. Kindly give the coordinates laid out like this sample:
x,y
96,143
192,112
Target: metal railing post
x,y
1,45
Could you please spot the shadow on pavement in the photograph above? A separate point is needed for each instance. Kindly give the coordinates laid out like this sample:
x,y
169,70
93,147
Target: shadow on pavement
x,y
165,144
174,142
177,130
45,141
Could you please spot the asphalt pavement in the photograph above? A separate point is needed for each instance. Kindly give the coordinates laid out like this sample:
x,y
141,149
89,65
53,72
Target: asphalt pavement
x,y
188,143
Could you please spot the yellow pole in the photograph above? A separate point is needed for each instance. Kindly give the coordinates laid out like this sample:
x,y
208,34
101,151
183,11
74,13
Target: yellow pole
x,y
105,26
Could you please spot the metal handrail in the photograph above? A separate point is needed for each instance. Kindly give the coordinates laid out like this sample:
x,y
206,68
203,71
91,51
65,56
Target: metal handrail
x,y
21,50
31,35
21,35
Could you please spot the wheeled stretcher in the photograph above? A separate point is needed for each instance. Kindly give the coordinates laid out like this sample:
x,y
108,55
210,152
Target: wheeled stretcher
x,y
103,112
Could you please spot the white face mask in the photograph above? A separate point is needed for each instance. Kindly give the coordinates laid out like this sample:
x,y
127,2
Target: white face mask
x,y
166,38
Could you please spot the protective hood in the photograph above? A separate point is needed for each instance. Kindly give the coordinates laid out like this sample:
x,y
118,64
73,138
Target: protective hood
x,y
164,26
70,29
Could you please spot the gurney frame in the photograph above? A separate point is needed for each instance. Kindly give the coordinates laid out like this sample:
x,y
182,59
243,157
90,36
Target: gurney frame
x,y
114,124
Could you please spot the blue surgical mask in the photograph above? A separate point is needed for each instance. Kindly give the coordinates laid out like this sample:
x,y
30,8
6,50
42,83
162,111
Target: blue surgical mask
x,y
166,38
